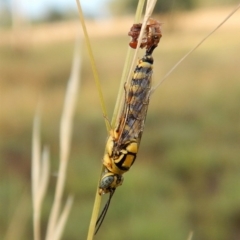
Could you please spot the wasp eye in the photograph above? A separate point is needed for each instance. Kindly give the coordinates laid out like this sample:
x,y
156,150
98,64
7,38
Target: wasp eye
x,y
106,181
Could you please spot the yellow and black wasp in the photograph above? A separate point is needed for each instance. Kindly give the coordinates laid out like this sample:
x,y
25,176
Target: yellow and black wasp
x,y
123,143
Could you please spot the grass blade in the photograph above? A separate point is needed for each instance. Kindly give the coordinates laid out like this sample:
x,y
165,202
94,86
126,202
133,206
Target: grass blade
x,y
63,219
36,155
65,140
93,65
126,71
131,58
190,235
192,50
44,174
126,68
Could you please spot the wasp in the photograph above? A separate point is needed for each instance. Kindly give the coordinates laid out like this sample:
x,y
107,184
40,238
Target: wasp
x,y
123,143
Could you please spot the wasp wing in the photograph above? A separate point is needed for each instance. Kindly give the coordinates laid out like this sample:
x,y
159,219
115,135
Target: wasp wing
x,y
135,108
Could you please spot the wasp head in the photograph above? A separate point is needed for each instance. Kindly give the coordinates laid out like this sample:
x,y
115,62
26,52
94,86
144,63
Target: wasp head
x,y
109,182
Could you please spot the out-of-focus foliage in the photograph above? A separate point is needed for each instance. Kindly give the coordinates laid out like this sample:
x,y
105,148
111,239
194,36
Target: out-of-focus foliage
x,y
216,2
129,6
5,15
54,15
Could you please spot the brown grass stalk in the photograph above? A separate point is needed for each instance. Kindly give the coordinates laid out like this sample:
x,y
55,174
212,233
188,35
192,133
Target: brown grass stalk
x,y
40,176
55,220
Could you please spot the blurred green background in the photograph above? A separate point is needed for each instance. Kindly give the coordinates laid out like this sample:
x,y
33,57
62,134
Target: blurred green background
x,y
187,174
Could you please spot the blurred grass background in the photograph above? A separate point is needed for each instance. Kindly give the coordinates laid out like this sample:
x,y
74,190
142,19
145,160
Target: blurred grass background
x,y
187,174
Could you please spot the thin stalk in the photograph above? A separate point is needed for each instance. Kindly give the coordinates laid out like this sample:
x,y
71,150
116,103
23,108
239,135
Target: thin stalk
x,y
44,173
40,176
190,235
97,201
193,49
93,65
95,212
149,9
131,58
127,63
36,176
63,219
65,142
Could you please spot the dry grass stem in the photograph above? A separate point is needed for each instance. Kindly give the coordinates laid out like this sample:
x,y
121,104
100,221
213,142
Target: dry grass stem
x,y
93,65
62,219
40,177
95,212
44,173
97,201
41,191
127,71
65,139
35,155
192,50
131,58
190,235
126,68
149,9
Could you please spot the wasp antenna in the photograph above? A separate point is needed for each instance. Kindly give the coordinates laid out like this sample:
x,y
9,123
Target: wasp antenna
x,y
104,212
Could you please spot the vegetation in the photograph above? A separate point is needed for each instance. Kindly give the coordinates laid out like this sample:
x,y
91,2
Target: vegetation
x,y
186,176
128,6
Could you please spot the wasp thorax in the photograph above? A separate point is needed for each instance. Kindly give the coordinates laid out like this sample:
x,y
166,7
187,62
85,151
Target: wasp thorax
x,y
148,58
109,182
